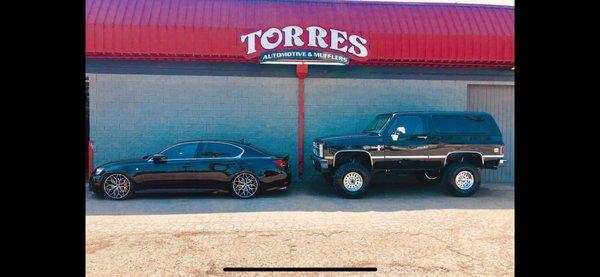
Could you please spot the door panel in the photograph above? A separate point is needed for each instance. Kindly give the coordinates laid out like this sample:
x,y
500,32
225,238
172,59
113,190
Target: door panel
x,y
215,163
498,100
170,174
410,150
213,173
408,153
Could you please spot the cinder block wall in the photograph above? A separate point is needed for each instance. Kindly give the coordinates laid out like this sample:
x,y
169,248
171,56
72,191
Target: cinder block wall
x,y
343,106
138,108
135,115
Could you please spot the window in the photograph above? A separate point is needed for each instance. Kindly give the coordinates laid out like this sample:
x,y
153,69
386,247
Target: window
x,y
220,150
412,123
377,123
181,151
467,124
253,151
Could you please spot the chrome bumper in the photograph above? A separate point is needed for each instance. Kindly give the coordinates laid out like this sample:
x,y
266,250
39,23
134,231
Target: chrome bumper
x,y
320,164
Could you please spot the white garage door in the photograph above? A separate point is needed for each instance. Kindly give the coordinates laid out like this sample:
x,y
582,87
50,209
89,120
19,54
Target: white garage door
x,y
499,101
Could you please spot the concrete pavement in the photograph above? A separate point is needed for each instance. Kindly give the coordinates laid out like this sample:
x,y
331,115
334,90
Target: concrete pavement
x,y
401,229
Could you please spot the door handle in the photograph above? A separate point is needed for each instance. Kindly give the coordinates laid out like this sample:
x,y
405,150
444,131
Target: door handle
x,y
422,137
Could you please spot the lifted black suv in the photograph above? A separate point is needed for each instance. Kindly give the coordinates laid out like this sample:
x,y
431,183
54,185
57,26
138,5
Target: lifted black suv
x,y
448,147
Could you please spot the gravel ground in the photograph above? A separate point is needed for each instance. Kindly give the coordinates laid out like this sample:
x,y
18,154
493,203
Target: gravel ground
x,y
407,230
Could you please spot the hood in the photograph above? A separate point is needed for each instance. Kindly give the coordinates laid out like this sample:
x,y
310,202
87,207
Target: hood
x,y
354,138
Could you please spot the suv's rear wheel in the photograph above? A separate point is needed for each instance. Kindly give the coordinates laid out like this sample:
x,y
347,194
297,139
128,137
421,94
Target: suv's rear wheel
x,y
462,179
351,180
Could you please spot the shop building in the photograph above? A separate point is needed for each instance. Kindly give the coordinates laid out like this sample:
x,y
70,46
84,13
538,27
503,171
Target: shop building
x,y
280,73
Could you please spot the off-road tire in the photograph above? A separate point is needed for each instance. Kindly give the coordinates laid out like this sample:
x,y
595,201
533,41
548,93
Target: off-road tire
x,y
349,170
463,189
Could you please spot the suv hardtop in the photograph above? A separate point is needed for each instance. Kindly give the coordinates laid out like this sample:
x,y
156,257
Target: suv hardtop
x,y
448,147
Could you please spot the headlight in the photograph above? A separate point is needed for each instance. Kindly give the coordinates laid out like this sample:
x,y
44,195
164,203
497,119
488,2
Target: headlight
x,y
318,149
99,171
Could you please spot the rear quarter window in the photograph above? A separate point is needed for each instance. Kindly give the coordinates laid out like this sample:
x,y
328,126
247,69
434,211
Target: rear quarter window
x,y
465,124
254,152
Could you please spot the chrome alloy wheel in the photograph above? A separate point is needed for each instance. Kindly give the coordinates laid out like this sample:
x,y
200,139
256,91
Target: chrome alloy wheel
x,y
353,181
464,180
245,185
117,186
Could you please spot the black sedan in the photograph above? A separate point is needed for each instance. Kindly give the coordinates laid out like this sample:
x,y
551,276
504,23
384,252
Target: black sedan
x,y
238,167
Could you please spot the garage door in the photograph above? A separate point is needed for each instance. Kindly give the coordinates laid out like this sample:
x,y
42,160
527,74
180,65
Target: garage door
x,y
499,101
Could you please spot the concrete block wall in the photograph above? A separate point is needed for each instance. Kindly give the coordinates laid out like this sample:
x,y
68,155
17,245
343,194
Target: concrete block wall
x,y
138,108
343,106
135,115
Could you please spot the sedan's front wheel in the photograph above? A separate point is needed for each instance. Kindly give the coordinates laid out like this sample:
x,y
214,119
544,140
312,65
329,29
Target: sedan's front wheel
x,y
117,186
244,185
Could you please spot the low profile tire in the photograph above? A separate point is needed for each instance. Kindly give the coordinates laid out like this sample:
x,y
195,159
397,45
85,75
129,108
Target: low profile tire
x,y
117,186
244,185
462,179
351,180
430,178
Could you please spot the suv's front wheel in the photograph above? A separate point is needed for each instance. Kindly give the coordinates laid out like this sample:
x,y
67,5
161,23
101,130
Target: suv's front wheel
x,y
351,180
462,179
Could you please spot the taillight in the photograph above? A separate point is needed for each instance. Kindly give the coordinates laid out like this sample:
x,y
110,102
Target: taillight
x,y
280,163
502,150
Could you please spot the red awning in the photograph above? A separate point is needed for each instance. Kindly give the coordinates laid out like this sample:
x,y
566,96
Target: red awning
x,y
461,35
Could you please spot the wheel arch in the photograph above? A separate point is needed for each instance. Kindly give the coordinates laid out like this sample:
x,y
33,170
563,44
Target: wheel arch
x,y
257,176
122,172
362,156
473,157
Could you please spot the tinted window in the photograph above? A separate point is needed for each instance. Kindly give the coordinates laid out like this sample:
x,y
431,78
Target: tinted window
x,y
253,151
182,151
219,150
412,123
377,123
467,124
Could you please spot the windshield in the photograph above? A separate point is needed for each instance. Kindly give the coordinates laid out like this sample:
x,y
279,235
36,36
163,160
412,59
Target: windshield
x,y
377,124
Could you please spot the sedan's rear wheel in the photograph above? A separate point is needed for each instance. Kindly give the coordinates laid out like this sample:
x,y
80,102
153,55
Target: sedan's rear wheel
x,y
244,185
117,186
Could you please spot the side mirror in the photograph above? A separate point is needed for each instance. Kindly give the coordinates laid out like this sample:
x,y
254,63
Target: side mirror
x,y
159,158
399,131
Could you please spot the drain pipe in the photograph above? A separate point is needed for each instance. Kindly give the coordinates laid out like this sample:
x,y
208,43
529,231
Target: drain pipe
x,y
301,72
